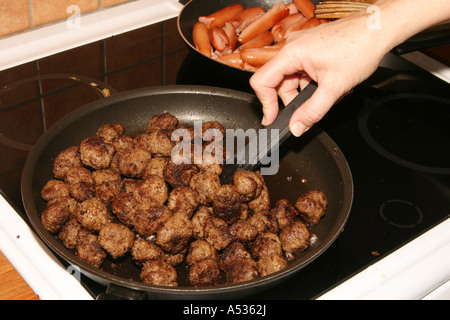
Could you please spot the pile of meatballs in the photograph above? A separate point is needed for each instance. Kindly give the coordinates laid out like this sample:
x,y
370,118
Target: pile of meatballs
x,y
118,195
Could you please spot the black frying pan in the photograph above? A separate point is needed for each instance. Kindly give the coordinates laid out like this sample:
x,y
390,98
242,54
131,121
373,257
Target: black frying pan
x,y
314,158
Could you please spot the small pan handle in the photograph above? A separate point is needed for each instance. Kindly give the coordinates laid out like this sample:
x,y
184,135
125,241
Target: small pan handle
x,y
424,40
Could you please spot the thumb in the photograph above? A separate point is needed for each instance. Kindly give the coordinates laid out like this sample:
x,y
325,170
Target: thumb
x,y
312,111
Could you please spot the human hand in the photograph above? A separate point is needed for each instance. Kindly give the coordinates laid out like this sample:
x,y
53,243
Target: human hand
x,y
337,55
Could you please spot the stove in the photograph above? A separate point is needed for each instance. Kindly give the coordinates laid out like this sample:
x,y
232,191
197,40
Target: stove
x,y
393,130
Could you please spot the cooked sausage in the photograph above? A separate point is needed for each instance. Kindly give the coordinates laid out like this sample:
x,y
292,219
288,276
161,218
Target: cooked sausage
x,y
306,7
200,37
263,39
267,21
218,18
246,17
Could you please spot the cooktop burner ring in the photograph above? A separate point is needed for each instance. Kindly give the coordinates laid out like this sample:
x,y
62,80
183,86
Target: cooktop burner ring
x,y
364,128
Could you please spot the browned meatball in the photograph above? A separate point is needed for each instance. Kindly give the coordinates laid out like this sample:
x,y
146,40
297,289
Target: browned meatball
x,y
295,237
261,203
131,185
283,212
144,250
182,199
200,250
123,143
175,234
162,121
133,162
312,206
69,202
271,264
243,230
248,184
124,206
110,132
116,239
69,233
266,244
175,259
237,264
66,159
217,233
205,185
179,175
209,162
148,220
155,166
54,189
93,214
89,250
81,183
157,142
54,216
153,190
96,153
263,223
212,130
199,220
204,273
226,203
159,273
108,184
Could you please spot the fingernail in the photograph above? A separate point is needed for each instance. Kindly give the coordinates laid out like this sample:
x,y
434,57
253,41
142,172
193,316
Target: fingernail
x,y
298,129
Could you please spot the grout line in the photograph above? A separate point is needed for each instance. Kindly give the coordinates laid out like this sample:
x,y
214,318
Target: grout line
x,y
30,11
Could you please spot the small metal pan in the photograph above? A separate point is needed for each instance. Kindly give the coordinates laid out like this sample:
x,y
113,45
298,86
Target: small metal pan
x,y
312,162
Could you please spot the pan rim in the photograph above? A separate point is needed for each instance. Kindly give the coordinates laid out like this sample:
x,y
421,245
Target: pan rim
x,y
107,277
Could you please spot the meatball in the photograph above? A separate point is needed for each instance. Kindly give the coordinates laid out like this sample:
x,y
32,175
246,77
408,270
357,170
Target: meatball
x,y
295,237
54,189
108,184
159,273
263,223
89,250
175,259
175,234
96,153
238,264
266,244
205,185
226,204
182,199
212,130
148,220
162,121
179,175
243,230
65,160
110,132
283,212
261,203
81,183
204,273
312,206
200,250
144,250
157,142
199,220
153,190
133,162
69,202
217,233
155,166
249,184
116,239
271,264
124,207
93,214
54,216
69,233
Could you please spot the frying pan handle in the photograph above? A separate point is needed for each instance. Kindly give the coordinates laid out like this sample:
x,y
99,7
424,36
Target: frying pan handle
x,y
423,41
282,121
281,124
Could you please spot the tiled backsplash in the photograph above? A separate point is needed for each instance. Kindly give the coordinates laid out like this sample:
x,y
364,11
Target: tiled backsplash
x,y
24,15
30,102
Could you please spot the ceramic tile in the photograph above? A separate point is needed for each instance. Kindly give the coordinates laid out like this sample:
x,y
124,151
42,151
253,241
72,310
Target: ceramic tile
x,y
172,39
18,85
133,47
141,75
173,62
44,11
14,16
